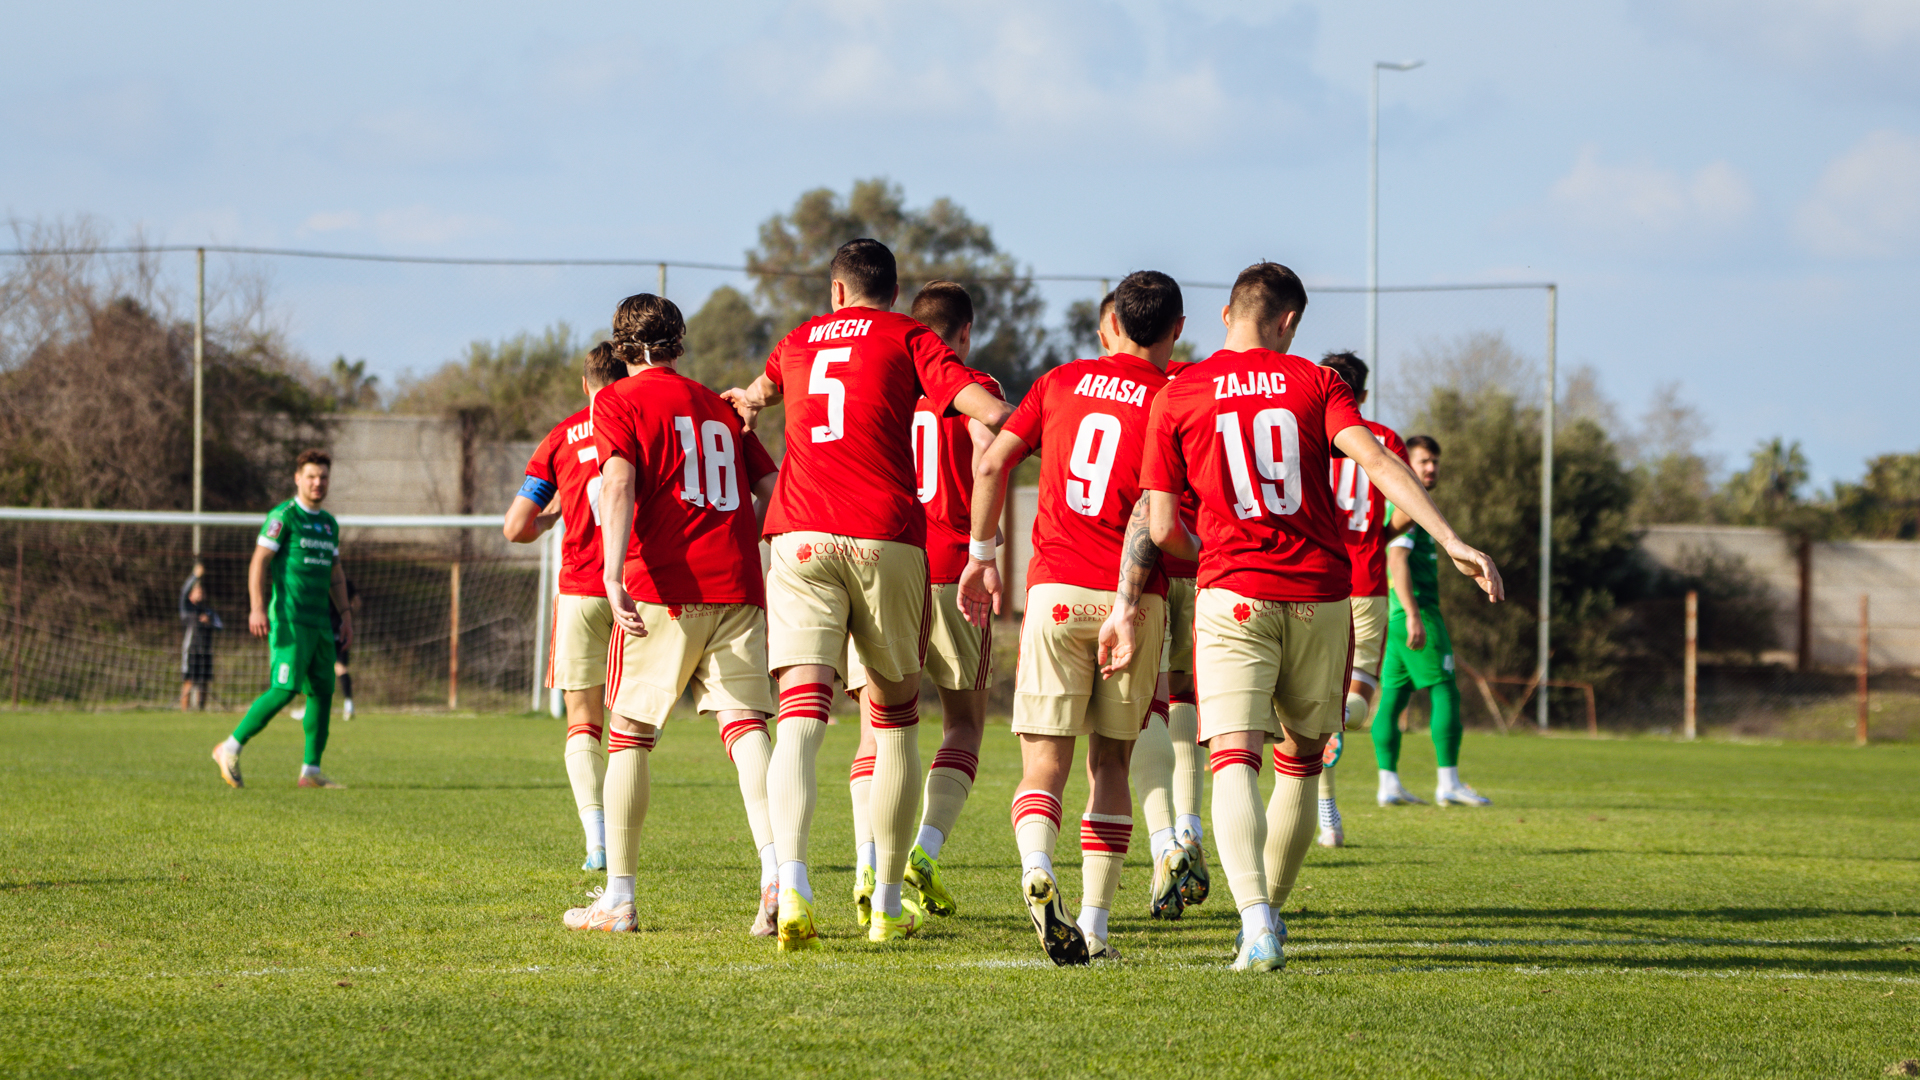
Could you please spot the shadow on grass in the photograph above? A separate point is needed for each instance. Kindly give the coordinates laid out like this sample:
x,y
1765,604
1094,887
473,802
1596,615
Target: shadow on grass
x,y
28,886
1521,916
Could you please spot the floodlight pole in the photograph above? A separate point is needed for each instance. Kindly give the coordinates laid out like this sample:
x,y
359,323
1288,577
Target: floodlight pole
x,y
1373,225
663,279
1546,505
199,380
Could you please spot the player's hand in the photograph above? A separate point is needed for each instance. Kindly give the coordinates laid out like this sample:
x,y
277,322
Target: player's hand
x,y
749,413
625,614
979,591
1416,631
257,622
1116,641
1476,565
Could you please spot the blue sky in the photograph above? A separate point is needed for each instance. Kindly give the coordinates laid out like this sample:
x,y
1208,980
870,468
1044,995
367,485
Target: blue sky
x,y
1728,191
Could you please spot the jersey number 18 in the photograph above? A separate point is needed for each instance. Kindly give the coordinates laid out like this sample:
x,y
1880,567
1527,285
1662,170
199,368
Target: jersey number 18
x,y
715,439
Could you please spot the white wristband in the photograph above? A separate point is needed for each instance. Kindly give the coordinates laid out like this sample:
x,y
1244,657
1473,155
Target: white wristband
x,y
984,550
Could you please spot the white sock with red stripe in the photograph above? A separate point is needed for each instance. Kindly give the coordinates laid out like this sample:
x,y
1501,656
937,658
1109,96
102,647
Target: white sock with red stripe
x,y
791,788
1189,764
628,787
750,749
894,799
860,792
1290,821
1036,827
949,782
586,761
1103,848
1151,771
1239,827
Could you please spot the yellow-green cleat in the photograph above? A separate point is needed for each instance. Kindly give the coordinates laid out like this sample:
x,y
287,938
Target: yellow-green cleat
x,y
1166,901
863,895
887,927
923,873
1059,935
1195,885
796,922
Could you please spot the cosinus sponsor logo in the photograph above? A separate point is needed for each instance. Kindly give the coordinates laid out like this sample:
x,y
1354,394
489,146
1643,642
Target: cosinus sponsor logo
x,y
836,549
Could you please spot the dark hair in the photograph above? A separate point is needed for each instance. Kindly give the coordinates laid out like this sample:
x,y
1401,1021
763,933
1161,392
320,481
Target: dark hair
x,y
603,369
313,457
1265,291
945,307
1424,442
1149,305
1351,369
1106,304
647,328
867,269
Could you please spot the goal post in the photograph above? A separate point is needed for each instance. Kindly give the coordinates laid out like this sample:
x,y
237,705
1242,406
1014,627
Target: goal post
x,y
92,602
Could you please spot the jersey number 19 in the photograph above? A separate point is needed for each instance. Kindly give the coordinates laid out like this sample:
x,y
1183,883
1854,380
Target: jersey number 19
x,y
1277,460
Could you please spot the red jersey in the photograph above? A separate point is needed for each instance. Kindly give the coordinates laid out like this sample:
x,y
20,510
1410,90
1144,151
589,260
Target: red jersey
x,y
694,540
943,472
850,380
568,460
1363,511
1090,418
1189,508
1247,431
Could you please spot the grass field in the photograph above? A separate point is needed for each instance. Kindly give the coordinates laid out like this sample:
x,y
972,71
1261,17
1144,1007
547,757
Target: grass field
x,y
1626,908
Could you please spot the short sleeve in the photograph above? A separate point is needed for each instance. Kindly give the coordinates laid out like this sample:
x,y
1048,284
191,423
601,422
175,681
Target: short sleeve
x,y
1163,466
759,462
772,370
540,465
983,379
613,430
272,531
1026,421
1341,412
942,376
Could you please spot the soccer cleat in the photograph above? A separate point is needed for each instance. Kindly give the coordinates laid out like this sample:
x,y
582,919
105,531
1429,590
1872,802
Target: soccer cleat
x,y
1196,883
1062,939
1100,950
863,883
616,918
346,711
1165,901
1397,795
765,923
923,873
1460,795
596,859
299,714
318,780
1263,953
795,926
1334,837
900,927
229,766
1331,833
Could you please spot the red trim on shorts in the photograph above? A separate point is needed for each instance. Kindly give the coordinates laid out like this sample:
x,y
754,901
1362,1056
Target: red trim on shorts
x,y
1304,768
890,717
733,732
983,674
807,701
955,760
926,619
619,740
1042,803
616,662
1105,836
862,769
1221,759
553,642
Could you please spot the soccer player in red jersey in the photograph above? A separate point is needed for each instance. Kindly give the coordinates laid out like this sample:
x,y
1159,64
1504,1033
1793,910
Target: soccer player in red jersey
x,y
1365,531
1251,430
563,484
681,487
849,558
959,655
1089,418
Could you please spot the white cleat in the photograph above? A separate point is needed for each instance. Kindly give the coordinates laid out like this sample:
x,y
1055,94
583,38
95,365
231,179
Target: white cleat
x,y
1398,795
602,914
346,712
1460,795
1331,834
1333,837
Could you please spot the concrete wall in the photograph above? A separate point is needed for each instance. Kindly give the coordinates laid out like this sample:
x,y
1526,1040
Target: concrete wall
x,y
411,465
1887,571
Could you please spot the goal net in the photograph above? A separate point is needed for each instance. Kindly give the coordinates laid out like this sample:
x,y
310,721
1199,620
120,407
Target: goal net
x,y
446,613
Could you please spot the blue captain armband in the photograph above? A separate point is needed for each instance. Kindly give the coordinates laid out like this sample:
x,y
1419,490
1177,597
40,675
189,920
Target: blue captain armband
x,y
537,491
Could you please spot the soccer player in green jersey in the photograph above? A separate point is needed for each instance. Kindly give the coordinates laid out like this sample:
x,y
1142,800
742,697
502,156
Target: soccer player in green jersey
x,y
1419,652
296,568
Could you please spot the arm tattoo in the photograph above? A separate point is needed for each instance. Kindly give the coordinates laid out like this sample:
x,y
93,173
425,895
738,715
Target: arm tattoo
x,y
1138,554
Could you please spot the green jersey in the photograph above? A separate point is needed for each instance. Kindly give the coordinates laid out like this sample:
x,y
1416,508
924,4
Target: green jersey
x,y
305,546
1423,564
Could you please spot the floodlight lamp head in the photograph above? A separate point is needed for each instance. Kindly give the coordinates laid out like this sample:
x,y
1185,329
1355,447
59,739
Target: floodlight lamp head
x,y
1404,65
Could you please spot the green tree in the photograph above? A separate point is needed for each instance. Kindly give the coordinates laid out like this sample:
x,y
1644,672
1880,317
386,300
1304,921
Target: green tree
x,y
351,387
1769,490
516,388
727,345
938,241
1885,504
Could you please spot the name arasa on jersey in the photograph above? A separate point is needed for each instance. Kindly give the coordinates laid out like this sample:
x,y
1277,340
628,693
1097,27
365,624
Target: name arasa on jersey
x,y
1263,384
1124,391
839,328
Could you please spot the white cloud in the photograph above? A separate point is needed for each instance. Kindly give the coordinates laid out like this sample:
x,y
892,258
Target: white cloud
x,y
1876,42
1866,203
331,221
1640,205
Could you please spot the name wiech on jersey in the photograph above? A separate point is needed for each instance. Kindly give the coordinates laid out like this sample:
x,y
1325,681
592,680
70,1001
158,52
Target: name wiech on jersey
x,y
839,328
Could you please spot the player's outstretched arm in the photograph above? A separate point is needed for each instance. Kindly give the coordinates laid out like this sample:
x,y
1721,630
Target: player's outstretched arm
x,y
616,532
980,586
1391,475
257,591
750,400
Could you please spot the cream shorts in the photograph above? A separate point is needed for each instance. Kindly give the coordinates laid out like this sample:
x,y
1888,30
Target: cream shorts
x,y
1176,654
1057,689
824,588
1369,634
582,626
719,650
959,654
1259,664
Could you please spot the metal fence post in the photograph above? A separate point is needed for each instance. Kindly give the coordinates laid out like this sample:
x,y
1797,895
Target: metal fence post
x,y
1690,723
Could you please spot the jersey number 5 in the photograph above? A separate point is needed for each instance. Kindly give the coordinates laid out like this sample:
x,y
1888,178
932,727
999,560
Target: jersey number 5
x,y
1277,463
822,383
715,443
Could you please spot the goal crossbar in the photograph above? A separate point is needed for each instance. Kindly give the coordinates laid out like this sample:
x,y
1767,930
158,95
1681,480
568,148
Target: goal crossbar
x,y
188,517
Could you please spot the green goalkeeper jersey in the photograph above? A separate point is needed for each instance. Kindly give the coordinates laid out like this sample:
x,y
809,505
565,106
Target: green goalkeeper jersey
x,y
305,545
1423,565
